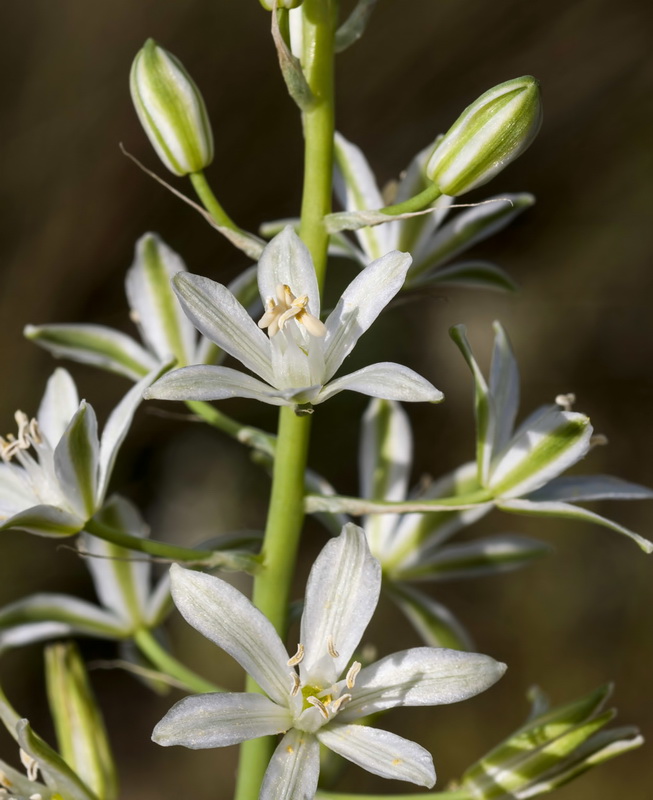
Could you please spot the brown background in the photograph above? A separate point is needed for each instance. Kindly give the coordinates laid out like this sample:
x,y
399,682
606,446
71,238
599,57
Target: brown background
x,y
73,206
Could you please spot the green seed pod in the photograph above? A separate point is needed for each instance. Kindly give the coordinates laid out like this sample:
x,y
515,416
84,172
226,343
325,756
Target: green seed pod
x,y
171,110
488,135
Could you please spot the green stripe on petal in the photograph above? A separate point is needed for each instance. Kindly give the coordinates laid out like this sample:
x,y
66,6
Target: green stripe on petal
x,y
95,345
483,406
76,462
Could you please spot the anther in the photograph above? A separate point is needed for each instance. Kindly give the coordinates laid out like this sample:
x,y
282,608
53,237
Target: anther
x,y
30,764
298,657
352,673
598,440
319,705
335,705
566,401
331,647
296,684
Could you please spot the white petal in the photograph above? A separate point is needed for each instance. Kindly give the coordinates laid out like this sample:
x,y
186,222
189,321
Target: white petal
x,y
159,603
355,186
58,406
293,769
385,460
341,595
207,382
380,752
361,303
568,511
422,676
33,632
44,520
117,427
78,615
160,319
216,313
96,345
584,488
122,581
504,388
226,617
16,491
548,443
286,261
219,720
76,459
385,380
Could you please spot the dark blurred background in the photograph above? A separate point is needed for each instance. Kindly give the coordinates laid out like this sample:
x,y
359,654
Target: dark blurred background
x,y
73,206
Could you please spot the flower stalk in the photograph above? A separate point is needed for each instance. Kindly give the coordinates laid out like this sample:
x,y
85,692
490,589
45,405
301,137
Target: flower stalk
x,y
286,512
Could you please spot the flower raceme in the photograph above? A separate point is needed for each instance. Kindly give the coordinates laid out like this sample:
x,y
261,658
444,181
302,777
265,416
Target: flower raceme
x,y
316,696
298,358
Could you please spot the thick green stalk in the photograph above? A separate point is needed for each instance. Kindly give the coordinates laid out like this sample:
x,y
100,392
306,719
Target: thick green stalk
x,y
286,511
168,664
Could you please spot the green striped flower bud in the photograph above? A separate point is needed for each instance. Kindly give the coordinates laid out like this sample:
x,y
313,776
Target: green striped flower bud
x,y
488,135
171,110
550,750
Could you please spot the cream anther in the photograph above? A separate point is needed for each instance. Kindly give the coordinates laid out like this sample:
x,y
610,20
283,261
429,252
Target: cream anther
x,y
287,307
566,401
30,764
335,704
296,684
319,705
298,657
352,673
331,647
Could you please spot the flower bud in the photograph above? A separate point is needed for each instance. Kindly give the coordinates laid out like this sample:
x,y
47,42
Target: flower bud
x,y
269,4
171,110
551,749
488,135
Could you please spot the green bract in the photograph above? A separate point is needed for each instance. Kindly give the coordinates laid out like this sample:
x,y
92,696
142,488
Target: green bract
x,y
269,5
488,135
171,110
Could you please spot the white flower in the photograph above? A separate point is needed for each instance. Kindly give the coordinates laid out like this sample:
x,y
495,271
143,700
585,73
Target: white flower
x,y
55,471
522,469
299,358
319,702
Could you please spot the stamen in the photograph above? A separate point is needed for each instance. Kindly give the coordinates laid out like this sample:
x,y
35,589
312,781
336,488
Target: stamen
x,y
598,440
335,704
352,674
287,307
296,684
4,780
566,401
31,767
331,647
298,657
319,705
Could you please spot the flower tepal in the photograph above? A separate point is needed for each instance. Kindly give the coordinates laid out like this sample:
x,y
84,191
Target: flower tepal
x,y
299,356
315,696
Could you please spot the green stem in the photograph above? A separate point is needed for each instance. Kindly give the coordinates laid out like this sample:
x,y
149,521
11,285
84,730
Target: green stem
x,y
171,552
286,511
210,201
417,203
168,664
252,437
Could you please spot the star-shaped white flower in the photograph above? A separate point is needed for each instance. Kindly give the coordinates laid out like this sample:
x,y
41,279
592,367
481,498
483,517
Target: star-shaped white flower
x,y
315,696
55,470
298,359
